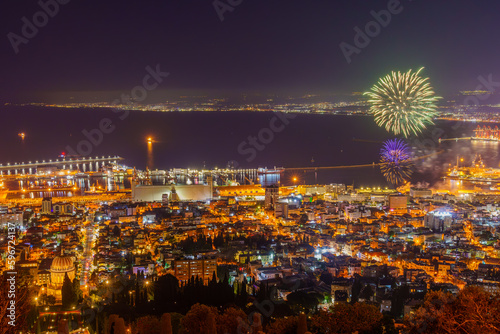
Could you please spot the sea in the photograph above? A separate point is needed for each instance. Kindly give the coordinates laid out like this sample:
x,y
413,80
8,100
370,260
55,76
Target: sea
x,y
241,139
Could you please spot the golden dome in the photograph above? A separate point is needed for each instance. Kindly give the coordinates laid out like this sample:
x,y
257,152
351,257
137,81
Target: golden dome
x,y
62,264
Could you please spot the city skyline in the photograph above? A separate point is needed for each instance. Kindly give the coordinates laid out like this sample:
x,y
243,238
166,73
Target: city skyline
x,y
249,167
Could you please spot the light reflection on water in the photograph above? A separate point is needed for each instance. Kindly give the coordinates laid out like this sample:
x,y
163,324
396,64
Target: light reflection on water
x,y
461,153
85,185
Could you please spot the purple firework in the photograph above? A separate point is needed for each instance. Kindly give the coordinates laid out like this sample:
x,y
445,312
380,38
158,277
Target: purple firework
x,y
395,161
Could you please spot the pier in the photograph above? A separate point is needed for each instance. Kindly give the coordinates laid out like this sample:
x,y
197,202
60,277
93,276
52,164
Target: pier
x,y
456,139
83,164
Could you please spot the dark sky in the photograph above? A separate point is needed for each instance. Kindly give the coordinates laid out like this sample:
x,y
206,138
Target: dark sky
x,y
262,45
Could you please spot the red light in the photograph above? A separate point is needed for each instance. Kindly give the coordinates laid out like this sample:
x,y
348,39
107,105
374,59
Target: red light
x,y
63,153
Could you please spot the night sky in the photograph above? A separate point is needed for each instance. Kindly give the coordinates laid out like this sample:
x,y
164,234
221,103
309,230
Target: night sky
x,y
261,46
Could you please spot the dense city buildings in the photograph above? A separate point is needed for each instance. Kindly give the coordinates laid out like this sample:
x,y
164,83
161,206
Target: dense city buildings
x,y
333,243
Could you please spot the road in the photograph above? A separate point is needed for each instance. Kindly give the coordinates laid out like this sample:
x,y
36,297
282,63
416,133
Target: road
x,y
87,252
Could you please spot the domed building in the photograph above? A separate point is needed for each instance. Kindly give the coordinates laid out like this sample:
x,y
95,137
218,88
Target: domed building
x,y
61,265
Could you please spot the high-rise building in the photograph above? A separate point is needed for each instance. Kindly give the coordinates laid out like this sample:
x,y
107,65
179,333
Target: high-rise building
x,y
164,199
210,182
203,268
438,221
272,194
398,204
47,205
281,210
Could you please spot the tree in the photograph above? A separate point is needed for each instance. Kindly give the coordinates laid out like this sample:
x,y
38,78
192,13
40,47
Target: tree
x,y
399,297
211,326
302,324
195,321
346,319
67,293
232,320
472,311
357,286
110,324
303,301
388,325
175,319
148,324
119,326
77,290
165,324
23,300
303,220
287,325
201,319
116,231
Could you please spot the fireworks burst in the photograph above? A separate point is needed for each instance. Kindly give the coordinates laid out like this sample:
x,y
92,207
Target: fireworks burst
x,y
395,161
403,103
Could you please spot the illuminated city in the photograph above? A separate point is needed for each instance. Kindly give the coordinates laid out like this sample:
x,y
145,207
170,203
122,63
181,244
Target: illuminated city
x,y
241,167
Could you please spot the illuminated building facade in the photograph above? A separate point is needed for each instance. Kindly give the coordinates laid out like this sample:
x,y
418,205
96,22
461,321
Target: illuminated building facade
x,y
438,221
47,205
61,266
241,190
398,204
272,194
153,193
203,268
